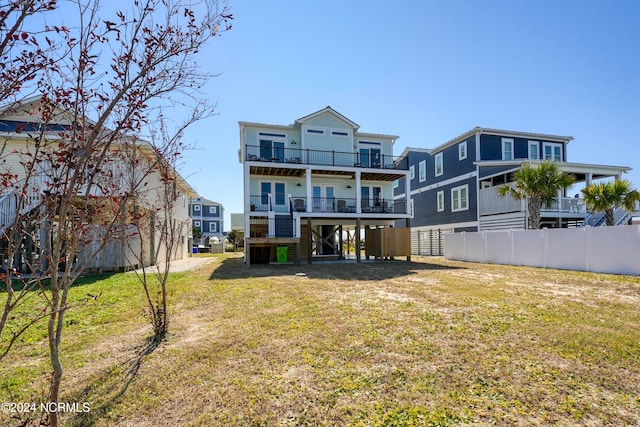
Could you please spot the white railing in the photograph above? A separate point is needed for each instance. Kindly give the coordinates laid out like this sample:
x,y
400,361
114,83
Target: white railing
x,y
566,204
492,203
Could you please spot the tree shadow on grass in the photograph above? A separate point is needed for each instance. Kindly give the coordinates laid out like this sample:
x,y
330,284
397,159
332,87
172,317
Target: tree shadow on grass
x,y
106,390
235,268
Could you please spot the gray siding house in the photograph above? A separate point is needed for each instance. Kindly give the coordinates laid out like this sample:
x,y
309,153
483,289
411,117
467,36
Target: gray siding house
x,y
454,186
208,217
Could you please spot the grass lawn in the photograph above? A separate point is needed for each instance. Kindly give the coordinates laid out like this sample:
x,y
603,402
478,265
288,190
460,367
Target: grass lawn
x,y
431,342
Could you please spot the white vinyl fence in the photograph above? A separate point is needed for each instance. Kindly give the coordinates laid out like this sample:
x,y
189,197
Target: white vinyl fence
x,y
598,249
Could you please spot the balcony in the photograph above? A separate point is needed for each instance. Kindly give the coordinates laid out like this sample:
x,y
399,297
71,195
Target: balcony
x,y
336,205
492,203
255,153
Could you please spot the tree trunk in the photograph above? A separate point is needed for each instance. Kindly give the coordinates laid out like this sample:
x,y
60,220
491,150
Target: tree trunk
x,y
608,214
534,213
54,332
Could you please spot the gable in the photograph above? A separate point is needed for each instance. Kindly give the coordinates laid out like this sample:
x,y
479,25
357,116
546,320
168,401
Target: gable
x,y
327,117
328,120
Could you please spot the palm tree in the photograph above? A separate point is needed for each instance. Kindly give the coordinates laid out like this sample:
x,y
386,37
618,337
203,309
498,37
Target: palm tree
x,y
606,196
539,184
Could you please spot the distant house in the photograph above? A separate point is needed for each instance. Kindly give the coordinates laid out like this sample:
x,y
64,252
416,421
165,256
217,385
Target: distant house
x,y
454,186
310,185
207,217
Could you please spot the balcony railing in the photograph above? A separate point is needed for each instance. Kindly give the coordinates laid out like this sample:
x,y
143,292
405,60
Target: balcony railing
x,y
492,203
255,153
329,205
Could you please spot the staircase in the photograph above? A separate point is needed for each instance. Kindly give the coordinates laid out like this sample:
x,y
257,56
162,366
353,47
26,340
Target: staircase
x,y
598,219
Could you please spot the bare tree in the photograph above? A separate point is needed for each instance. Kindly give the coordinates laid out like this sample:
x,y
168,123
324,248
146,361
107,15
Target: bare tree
x,y
94,103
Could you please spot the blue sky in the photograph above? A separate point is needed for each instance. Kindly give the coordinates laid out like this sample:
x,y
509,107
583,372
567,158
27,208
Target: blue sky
x,y
427,71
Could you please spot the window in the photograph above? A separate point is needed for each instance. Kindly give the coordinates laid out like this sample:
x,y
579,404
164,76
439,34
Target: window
x,y
364,196
196,224
265,191
507,149
423,170
316,131
552,151
534,150
196,208
439,165
411,207
396,183
272,146
339,133
462,150
412,172
440,196
213,227
459,198
213,210
370,157
280,193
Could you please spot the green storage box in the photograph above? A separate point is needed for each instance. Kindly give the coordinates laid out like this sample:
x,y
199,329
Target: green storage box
x,y
282,253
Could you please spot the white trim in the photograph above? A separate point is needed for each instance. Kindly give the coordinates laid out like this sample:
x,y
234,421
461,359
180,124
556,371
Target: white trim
x,y
445,182
422,171
439,161
412,172
196,224
462,150
440,200
506,141
459,199
196,208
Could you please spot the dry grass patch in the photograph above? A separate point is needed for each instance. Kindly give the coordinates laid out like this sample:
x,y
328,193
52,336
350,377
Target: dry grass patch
x,y
430,342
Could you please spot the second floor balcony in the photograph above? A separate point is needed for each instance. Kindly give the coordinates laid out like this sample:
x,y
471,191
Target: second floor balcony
x,y
365,159
329,205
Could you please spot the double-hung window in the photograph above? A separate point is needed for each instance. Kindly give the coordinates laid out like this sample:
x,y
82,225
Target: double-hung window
x,y
507,149
422,170
440,196
439,165
412,172
534,150
460,198
462,150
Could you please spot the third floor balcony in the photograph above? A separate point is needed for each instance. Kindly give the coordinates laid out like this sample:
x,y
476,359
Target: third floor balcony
x,y
367,159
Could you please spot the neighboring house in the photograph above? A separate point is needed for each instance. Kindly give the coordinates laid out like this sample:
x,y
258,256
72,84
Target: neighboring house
x,y
454,187
207,217
17,128
312,184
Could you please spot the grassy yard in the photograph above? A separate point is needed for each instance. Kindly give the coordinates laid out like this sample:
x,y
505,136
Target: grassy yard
x,y
431,343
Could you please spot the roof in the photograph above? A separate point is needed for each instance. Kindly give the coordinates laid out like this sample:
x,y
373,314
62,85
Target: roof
x,y
325,110
502,132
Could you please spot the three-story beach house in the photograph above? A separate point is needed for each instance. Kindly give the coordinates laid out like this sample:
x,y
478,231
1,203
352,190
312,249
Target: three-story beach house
x,y
454,186
309,185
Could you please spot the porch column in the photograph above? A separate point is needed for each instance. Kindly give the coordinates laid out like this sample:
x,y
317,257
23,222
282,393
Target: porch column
x,y
408,225
357,237
358,193
407,192
309,240
307,175
588,179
